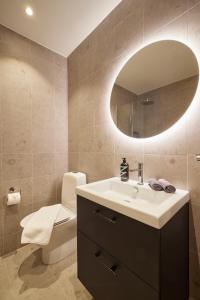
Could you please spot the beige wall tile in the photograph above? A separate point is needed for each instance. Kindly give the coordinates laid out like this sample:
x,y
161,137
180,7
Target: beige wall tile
x,y
124,145
194,275
86,139
98,165
44,190
1,197
193,178
192,3
38,52
25,211
171,167
33,128
1,224
1,126
59,179
1,137
60,78
103,139
11,220
16,120
73,161
61,163
73,136
61,138
43,138
43,123
177,30
158,13
1,246
11,242
0,167
120,39
61,167
15,166
86,163
101,112
161,144
61,115
14,74
194,228
86,112
13,47
193,131
193,27
43,164
128,33
60,61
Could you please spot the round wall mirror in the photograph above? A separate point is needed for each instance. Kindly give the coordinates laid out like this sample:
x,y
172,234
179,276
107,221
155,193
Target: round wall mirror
x,y
154,89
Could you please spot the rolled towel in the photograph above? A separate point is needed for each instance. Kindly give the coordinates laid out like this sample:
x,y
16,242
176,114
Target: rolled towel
x,y
155,184
167,186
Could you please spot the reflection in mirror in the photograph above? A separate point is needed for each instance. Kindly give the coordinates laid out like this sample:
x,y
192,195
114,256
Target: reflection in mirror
x,y
154,89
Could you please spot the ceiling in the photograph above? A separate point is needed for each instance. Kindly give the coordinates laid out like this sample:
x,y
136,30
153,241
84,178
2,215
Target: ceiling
x,y
59,25
158,65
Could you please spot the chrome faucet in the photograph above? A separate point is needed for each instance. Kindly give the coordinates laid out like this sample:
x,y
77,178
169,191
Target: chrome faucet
x,y
140,173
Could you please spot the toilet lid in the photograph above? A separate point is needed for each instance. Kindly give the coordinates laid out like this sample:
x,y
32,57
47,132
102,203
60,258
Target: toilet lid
x,y
63,215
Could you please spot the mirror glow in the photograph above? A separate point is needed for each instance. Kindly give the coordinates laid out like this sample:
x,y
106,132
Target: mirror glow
x,y
154,89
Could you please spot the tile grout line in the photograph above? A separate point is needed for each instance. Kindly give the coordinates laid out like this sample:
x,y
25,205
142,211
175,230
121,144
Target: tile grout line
x,y
31,125
173,20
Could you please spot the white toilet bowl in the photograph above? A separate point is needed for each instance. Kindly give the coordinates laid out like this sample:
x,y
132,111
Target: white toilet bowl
x,y
63,238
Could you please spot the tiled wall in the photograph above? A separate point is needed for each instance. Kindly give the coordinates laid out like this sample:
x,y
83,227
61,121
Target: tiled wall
x,y
33,129
95,146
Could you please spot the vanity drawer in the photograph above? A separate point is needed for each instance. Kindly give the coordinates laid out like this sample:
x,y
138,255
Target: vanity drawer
x,y
135,244
105,277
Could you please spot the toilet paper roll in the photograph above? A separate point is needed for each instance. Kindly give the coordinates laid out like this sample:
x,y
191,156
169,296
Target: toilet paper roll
x,y
14,198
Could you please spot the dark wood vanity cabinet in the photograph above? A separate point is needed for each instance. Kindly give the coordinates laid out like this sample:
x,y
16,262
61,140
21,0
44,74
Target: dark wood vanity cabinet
x,y
120,258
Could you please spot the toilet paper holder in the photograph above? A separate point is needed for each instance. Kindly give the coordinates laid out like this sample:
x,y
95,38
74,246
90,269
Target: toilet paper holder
x,y
12,190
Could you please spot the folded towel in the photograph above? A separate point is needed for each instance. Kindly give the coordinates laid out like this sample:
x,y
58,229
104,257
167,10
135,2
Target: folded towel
x,y
39,228
167,186
155,185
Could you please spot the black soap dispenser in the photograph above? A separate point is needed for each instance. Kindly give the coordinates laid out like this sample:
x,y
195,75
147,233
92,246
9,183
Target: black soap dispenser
x,y
124,170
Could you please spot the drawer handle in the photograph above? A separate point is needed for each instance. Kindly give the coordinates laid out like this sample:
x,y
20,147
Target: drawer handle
x,y
113,268
110,220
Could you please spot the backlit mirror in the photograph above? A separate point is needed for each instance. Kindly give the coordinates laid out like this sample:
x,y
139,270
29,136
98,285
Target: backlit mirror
x,y
154,89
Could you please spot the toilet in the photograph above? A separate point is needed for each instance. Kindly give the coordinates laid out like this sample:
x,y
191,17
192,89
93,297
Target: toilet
x,y
63,239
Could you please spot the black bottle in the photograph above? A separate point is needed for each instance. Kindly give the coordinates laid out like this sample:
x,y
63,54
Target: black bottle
x,y
124,170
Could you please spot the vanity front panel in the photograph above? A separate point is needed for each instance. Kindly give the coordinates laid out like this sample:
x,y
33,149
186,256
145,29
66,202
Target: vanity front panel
x,y
132,242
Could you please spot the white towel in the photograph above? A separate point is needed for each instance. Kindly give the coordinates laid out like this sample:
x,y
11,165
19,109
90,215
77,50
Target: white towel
x,y
39,228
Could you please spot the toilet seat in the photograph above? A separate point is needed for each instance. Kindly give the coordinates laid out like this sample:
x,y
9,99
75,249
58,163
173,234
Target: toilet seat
x,y
64,215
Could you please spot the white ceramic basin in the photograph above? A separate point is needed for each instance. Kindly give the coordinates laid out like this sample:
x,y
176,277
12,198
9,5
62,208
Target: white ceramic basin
x,y
139,202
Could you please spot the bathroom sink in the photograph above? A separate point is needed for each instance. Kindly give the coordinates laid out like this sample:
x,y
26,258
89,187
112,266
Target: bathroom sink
x,y
140,202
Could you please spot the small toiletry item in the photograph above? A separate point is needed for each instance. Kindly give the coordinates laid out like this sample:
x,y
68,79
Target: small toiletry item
x,y
167,186
155,184
124,170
